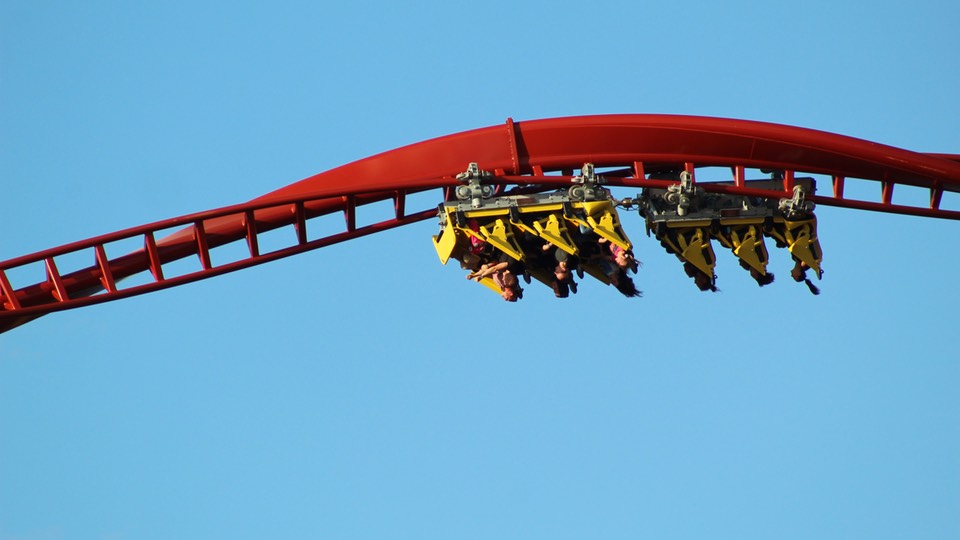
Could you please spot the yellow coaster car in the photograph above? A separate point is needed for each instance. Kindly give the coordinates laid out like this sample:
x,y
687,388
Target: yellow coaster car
x,y
503,222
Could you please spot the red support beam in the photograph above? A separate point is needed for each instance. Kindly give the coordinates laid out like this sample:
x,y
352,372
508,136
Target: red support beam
x,y
838,187
399,203
350,212
300,222
103,263
156,267
8,292
788,180
203,249
53,276
638,172
886,192
250,224
739,176
936,196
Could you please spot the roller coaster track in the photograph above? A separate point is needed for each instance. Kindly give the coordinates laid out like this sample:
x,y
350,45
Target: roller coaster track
x,y
538,155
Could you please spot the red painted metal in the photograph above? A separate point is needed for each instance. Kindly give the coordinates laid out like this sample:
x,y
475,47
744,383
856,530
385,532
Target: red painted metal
x,y
545,153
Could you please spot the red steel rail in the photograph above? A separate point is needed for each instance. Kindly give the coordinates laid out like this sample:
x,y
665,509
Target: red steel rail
x,y
538,154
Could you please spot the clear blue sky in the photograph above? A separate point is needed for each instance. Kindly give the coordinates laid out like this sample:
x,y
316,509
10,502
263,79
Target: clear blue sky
x,y
366,391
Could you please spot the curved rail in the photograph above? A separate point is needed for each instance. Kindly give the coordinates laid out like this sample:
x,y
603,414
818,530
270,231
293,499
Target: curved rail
x,y
634,150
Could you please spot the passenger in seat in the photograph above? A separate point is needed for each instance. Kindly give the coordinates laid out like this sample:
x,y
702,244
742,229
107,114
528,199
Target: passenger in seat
x,y
700,278
478,247
471,261
623,257
595,252
563,271
504,272
543,263
799,273
761,279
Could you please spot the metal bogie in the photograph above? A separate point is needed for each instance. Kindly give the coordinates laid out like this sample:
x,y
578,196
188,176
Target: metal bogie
x,y
471,186
665,204
587,186
680,196
796,207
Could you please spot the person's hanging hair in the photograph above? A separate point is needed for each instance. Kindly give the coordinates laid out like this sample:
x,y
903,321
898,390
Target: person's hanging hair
x,y
626,286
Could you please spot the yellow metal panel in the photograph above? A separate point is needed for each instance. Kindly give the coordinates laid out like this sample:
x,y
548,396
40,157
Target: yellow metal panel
x,y
540,208
554,231
751,250
480,213
500,237
801,239
697,250
746,242
603,219
806,245
446,243
671,244
609,227
492,285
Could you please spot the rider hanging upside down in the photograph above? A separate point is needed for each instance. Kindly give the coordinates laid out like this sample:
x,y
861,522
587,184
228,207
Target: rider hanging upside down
x,y
503,272
799,273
